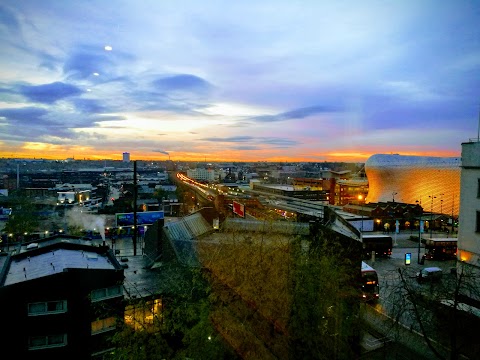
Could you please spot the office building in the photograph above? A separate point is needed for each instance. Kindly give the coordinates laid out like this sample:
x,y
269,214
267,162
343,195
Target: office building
x,y
469,227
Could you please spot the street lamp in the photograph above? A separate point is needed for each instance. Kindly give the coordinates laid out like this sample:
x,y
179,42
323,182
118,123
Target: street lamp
x,y
431,214
360,198
419,229
453,222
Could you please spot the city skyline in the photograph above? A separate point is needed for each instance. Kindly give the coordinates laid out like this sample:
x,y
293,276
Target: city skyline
x,y
251,81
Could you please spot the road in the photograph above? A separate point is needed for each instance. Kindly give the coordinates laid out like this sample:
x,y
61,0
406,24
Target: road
x,y
391,305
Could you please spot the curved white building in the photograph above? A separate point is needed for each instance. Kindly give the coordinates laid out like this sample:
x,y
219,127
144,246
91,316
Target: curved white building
x,y
407,179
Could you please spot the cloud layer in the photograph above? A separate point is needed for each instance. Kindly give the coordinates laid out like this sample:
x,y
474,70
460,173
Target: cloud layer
x,y
326,80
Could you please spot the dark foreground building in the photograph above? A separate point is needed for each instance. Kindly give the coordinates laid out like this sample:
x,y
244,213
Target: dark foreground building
x,y
61,298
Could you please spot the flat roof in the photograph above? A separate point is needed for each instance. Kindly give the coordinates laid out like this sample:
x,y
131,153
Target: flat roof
x,y
439,239
376,236
24,268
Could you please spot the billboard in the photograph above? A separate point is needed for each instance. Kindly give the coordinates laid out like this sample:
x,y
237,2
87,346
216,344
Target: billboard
x,y
143,218
239,209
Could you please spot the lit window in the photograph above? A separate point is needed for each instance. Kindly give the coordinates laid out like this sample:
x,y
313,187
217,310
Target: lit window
x,y
107,293
47,308
46,341
103,325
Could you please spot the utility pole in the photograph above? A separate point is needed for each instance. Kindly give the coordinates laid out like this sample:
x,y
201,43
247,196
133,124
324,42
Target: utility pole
x,y
431,214
419,230
135,194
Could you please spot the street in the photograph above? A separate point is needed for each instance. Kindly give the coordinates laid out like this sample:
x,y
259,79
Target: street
x,y
391,307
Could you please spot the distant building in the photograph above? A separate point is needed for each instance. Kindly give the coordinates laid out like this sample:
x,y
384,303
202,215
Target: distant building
x,y
64,299
469,227
202,174
432,181
126,157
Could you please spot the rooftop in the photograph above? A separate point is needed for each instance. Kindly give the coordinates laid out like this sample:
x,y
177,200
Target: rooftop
x,y
23,268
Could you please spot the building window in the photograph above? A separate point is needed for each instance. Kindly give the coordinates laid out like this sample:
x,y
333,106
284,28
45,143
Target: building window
x,y
47,308
478,189
477,228
46,341
102,325
107,293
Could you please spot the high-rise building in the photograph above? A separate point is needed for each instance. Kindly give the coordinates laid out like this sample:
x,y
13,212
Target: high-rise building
x,y
469,227
126,157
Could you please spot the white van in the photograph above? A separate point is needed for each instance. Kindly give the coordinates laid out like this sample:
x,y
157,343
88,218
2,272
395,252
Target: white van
x,y
429,274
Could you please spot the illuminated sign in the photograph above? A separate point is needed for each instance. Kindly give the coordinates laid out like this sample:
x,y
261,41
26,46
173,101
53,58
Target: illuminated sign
x,y
239,209
143,218
408,258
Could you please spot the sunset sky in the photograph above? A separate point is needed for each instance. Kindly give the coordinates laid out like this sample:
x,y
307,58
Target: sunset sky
x,y
238,80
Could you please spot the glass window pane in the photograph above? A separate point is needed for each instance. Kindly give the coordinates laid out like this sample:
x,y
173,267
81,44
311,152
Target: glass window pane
x,y
115,290
37,308
55,339
55,306
38,341
99,293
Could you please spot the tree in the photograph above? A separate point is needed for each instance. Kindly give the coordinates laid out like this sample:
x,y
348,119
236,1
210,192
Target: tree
x,y
440,311
183,328
23,218
160,194
269,291
280,294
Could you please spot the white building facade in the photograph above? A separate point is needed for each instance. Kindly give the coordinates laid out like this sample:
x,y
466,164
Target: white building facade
x,y
202,174
469,220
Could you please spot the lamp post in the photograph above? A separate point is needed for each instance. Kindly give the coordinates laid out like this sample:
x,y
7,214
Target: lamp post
x,y
431,214
441,203
360,198
419,229
453,222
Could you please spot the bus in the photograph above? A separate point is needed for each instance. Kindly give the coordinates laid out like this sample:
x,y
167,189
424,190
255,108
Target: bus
x,y
440,248
381,245
370,286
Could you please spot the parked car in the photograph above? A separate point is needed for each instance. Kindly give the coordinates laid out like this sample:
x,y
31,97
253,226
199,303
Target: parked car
x,y
429,274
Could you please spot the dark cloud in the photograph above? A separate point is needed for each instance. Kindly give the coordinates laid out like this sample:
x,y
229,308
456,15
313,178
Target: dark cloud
x,y
49,93
230,139
253,141
31,124
279,142
246,147
9,20
25,116
182,83
83,63
300,113
89,106
48,61
99,118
